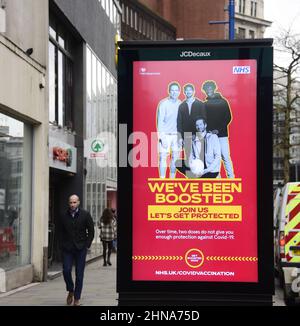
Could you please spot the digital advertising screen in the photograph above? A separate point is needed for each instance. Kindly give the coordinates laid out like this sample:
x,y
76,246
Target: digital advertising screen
x,y
196,183
193,226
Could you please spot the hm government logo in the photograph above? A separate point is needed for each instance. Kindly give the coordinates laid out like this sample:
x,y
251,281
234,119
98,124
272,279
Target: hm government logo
x,y
191,54
241,70
145,72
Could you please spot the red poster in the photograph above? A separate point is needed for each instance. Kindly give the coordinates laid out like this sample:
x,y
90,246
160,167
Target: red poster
x,y
194,175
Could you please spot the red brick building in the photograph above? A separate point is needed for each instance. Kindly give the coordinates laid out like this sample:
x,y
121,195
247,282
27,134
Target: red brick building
x,y
189,19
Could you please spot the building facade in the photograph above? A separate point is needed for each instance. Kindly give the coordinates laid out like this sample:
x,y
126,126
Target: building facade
x,y
249,19
59,90
24,125
141,23
82,105
192,18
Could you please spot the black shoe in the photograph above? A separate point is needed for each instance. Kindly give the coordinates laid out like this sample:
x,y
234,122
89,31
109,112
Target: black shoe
x,y
70,298
104,264
109,263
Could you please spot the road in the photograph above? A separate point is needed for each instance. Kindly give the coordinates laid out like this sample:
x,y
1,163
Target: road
x,y
278,297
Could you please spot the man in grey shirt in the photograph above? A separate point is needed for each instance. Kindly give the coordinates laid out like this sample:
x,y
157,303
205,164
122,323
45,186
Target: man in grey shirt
x,y
206,147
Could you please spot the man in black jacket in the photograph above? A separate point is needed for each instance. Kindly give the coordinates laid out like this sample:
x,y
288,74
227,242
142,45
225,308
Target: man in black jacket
x,y
188,110
76,233
218,119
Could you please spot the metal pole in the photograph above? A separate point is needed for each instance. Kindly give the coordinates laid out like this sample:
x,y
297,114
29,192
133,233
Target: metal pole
x,y
231,19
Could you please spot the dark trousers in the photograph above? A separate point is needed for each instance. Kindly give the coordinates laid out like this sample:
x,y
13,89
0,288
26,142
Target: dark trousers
x,y
210,175
107,247
79,257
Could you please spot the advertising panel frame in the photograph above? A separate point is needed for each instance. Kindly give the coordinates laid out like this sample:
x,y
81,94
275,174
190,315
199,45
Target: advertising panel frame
x,y
183,292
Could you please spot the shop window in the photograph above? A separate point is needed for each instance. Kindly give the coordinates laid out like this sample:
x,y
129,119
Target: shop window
x,y
15,192
101,116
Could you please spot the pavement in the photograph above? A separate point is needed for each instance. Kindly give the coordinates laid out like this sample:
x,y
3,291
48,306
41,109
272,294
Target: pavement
x,y
278,296
99,289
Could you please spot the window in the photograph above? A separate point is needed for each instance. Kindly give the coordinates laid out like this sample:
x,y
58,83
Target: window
x,y
241,33
60,74
135,21
127,15
242,6
253,8
112,10
123,16
251,34
131,18
15,192
101,119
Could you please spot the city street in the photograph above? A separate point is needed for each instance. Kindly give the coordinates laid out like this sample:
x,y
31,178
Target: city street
x,y
167,126
99,290
278,297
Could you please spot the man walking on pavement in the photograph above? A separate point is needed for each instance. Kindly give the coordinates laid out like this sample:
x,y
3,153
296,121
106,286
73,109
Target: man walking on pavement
x,y
76,233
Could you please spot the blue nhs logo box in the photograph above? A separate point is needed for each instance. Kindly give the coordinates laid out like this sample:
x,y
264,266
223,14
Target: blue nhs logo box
x,y
238,70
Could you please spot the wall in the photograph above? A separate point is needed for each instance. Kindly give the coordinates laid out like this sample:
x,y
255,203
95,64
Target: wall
x,y
22,97
191,17
91,21
25,26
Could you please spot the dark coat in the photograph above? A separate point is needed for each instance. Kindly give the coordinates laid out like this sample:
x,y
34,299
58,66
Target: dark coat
x,y
185,121
218,114
76,232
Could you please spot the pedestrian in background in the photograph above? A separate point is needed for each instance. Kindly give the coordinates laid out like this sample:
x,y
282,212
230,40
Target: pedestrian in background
x,y
76,233
108,232
114,211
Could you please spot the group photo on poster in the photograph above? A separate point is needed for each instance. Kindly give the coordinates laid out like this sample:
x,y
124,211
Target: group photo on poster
x,y
195,208
201,128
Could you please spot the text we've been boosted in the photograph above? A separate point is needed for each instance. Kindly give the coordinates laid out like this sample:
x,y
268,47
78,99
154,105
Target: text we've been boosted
x,y
215,199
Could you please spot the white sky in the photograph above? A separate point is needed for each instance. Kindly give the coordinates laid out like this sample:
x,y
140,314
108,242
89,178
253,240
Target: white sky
x,y
284,14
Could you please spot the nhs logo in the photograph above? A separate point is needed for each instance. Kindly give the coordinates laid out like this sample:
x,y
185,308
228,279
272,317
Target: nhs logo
x,y
238,70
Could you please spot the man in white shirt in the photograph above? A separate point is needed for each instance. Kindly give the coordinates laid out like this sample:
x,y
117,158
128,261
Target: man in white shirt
x,y
167,112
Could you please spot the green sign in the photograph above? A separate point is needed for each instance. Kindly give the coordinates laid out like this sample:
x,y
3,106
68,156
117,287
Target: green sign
x,y
97,146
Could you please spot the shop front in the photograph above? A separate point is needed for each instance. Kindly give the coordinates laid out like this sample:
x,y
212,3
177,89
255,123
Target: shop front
x,y
15,196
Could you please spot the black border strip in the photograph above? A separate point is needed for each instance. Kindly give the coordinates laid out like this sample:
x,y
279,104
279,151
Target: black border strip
x,y
260,50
